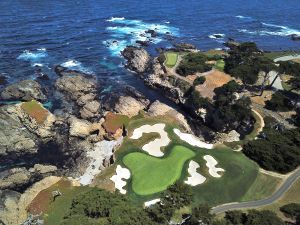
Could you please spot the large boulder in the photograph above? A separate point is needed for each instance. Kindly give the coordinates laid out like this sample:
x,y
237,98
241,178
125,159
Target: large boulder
x,y
129,106
18,179
138,59
15,139
25,90
9,207
81,89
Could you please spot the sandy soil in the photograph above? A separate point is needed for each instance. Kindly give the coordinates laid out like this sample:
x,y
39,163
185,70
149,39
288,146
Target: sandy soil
x,y
211,164
195,177
153,147
121,173
277,84
214,79
101,151
151,202
192,140
262,122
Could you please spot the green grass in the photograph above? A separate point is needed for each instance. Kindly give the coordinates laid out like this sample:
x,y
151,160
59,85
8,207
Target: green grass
x,y
151,175
220,65
263,187
171,59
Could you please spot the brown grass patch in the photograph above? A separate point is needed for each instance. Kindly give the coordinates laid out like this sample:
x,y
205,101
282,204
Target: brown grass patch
x,y
41,202
296,60
35,110
261,100
114,122
214,79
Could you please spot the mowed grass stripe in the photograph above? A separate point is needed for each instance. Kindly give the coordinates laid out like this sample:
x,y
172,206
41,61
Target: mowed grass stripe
x,y
152,175
171,59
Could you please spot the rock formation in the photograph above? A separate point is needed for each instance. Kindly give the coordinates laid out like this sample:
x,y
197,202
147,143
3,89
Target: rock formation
x,y
138,59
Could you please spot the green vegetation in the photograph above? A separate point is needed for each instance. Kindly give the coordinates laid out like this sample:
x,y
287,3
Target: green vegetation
x,y
171,59
291,210
104,208
277,150
183,85
220,64
147,176
263,187
279,102
199,80
35,110
246,61
193,63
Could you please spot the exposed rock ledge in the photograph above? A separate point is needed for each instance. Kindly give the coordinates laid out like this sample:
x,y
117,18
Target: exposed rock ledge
x,y
138,59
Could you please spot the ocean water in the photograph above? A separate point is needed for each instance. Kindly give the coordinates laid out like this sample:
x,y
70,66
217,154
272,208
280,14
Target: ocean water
x,y
88,35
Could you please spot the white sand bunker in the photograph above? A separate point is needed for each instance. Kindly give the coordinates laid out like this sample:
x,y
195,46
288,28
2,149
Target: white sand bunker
x,y
192,140
102,151
151,202
121,173
153,147
211,164
195,177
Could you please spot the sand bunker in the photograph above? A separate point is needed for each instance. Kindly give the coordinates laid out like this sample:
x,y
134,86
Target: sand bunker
x,y
153,147
195,177
102,151
211,164
151,202
192,140
121,173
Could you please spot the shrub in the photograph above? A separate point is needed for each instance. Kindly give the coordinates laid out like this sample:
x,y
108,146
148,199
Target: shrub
x,y
199,80
193,63
279,102
291,210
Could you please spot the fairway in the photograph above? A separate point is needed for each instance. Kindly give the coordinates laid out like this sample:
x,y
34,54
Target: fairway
x,y
151,175
171,59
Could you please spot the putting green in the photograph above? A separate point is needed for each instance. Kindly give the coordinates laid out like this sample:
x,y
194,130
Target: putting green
x,y
151,175
171,59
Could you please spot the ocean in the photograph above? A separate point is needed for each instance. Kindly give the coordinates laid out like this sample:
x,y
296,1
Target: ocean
x,y
88,35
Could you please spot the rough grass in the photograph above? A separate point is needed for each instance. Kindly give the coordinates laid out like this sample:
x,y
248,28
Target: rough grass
x,y
35,110
54,211
263,187
220,65
151,175
171,59
291,196
113,122
277,54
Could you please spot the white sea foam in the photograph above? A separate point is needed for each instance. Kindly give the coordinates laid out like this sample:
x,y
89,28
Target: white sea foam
x,y
215,36
33,55
276,30
112,19
244,17
126,32
76,65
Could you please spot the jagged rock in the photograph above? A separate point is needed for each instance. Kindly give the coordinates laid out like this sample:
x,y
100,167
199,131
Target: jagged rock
x,y
153,33
138,59
185,46
160,109
80,89
90,110
9,206
129,106
43,169
82,128
15,139
227,137
295,37
33,120
3,80
24,90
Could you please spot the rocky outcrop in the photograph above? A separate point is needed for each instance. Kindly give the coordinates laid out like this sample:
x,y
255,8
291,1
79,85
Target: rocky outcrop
x,y
185,46
160,109
9,207
3,80
138,59
25,90
231,136
83,128
295,37
81,89
18,179
15,139
129,106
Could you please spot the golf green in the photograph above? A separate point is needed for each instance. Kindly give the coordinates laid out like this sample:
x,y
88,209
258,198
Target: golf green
x,y
151,175
171,59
